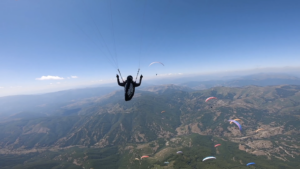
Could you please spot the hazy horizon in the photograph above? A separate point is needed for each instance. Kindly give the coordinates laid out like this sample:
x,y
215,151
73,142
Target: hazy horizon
x,y
155,80
58,45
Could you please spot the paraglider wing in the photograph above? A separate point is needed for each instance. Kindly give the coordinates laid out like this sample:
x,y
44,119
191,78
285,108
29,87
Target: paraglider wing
x,y
156,62
166,162
163,111
237,123
252,163
179,152
235,120
210,98
209,158
136,159
259,130
217,145
144,157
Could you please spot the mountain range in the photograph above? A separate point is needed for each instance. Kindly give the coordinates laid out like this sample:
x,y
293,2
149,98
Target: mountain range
x,y
101,130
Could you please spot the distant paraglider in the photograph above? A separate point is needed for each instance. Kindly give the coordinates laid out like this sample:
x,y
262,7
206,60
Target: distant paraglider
x,y
237,123
156,62
252,163
259,129
166,162
217,145
235,120
179,152
144,157
163,111
136,159
206,100
209,158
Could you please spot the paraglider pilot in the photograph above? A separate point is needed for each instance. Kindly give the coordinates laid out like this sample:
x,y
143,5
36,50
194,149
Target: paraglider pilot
x,y
129,86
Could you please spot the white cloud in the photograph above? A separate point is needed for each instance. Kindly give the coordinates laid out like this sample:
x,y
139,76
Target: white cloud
x,y
1,87
58,83
74,77
50,78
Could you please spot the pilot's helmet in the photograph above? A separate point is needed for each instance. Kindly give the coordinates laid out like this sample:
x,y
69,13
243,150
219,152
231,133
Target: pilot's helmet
x,y
129,77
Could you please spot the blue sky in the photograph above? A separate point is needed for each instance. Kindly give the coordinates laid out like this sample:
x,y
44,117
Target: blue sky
x,y
71,42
